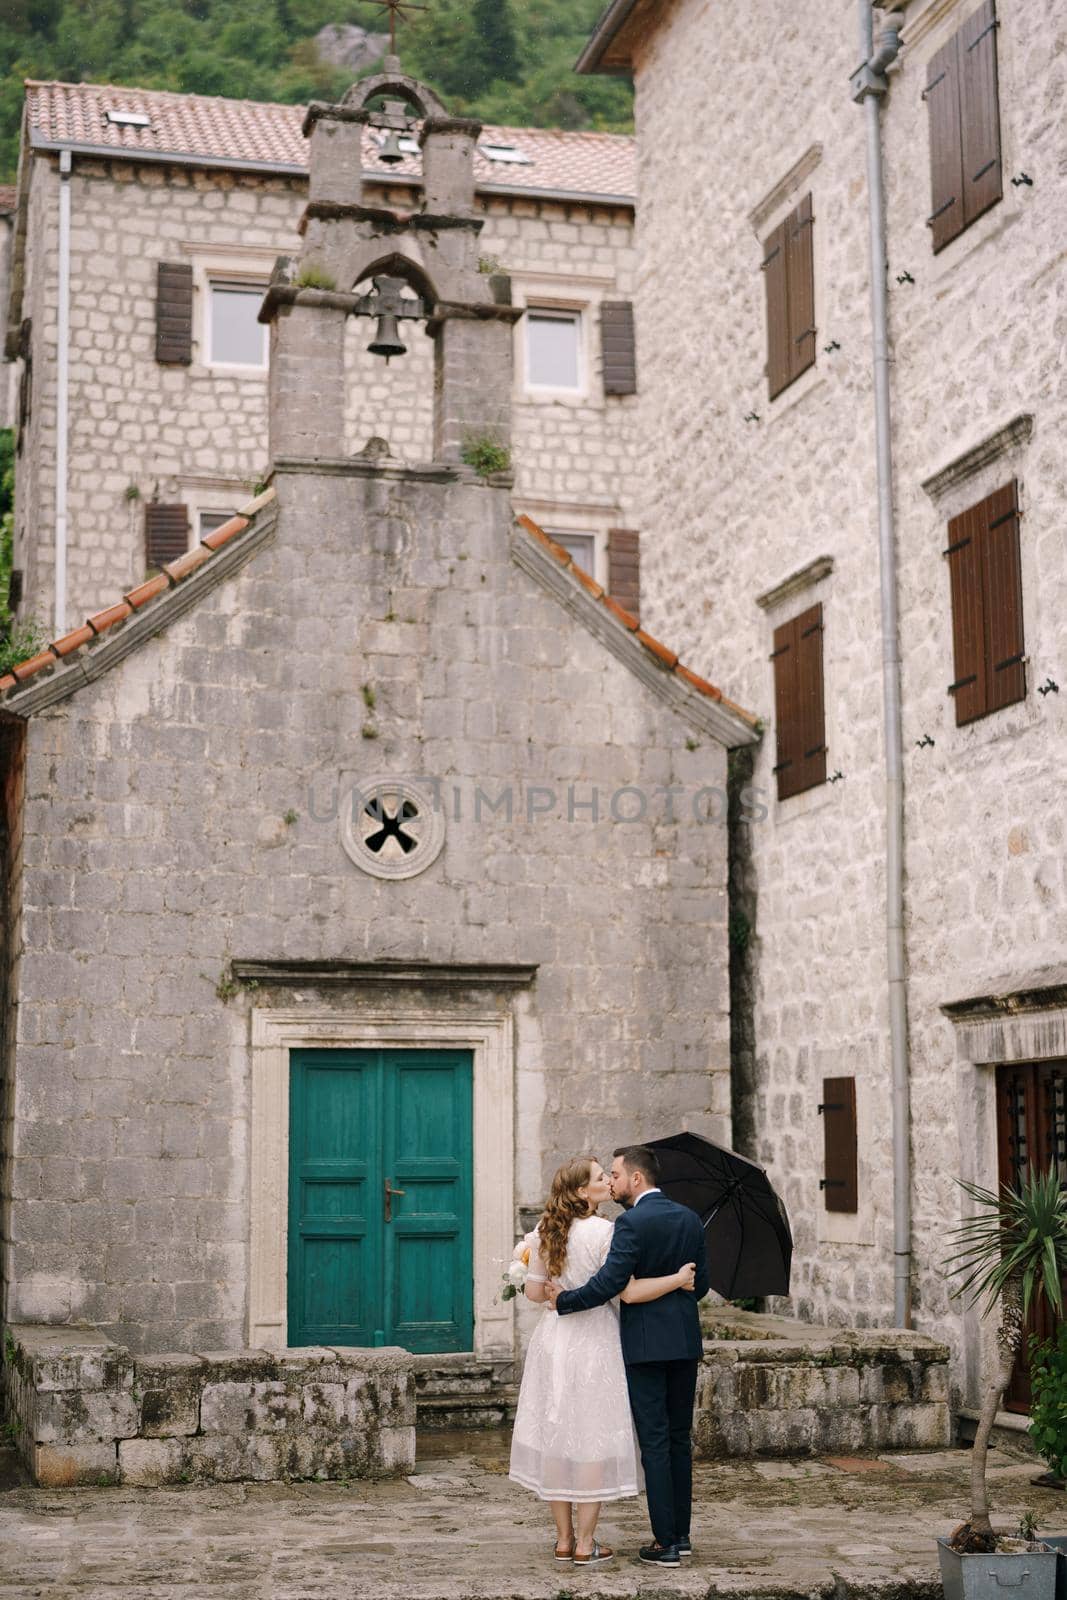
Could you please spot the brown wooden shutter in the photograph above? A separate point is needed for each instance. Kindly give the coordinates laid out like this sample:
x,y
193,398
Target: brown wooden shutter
x,y
1003,597
779,365
988,640
166,533
839,1182
624,569
964,555
979,113
800,277
800,722
942,96
174,312
811,721
787,736
618,347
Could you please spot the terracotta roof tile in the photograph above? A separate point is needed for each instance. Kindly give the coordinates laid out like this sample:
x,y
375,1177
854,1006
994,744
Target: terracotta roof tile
x,y
223,534
109,616
73,640
146,591
26,669
627,618
243,131
142,595
179,569
662,653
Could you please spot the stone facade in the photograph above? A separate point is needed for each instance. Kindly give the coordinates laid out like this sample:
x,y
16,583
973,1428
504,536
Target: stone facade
x,y
84,1411
741,494
197,435
186,907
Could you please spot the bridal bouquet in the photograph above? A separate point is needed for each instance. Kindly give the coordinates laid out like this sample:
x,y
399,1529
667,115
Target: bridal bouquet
x,y
517,1268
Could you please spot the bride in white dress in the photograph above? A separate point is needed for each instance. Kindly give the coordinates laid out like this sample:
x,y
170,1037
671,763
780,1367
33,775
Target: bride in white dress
x,y
573,1443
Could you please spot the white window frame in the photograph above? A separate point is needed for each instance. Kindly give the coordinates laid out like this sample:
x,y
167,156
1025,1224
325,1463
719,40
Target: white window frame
x,y
578,517
247,286
246,268
577,315
210,498
563,291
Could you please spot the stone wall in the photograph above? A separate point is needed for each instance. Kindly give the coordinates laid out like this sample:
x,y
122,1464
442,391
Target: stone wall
x,y
732,507
198,434
85,1411
178,818
772,1386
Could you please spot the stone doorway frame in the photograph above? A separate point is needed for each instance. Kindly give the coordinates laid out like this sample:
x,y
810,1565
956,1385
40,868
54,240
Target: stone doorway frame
x,y
489,1035
1013,1022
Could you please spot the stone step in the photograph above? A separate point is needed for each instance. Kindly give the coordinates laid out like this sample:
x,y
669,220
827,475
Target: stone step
x,y
463,1390
491,1410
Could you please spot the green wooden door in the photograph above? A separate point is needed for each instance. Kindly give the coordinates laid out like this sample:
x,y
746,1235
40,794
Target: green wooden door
x,y
380,1198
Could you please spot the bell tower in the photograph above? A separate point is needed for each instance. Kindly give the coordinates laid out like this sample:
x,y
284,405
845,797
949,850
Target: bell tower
x,y
397,268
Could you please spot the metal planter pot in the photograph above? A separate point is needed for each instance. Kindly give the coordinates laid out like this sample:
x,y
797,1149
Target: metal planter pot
x,y
1058,1542
1028,1575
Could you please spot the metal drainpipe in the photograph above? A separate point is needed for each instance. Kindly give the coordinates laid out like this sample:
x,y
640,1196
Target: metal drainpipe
x,y
869,85
62,392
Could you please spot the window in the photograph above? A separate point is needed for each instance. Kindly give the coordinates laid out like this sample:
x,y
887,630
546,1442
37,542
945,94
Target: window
x,y
506,153
798,703
789,267
989,665
581,547
235,337
962,102
553,349
208,521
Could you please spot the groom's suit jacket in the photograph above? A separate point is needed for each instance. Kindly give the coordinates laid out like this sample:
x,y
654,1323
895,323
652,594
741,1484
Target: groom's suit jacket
x,y
651,1240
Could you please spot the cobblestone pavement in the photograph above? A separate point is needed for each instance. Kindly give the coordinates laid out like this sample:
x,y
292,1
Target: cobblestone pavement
x,y
458,1530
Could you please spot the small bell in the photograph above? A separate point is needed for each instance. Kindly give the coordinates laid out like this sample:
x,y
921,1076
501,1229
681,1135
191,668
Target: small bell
x,y
387,341
390,151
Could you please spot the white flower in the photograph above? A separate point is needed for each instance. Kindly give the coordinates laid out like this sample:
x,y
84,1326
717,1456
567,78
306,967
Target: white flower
x,y
516,1273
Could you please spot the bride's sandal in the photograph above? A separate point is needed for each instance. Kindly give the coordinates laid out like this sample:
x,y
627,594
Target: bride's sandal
x,y
599,1552
561,1556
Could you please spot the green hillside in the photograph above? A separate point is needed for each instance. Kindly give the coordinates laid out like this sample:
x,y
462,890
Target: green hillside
x,y
507,61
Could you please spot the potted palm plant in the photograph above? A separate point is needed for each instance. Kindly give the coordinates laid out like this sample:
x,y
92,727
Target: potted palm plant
x,y
1012,1250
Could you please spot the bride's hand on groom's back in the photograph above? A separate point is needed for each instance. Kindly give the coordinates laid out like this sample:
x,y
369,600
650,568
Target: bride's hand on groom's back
x,y
687,1276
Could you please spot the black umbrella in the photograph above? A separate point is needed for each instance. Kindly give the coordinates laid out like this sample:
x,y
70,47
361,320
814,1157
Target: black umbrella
x,y
746,1231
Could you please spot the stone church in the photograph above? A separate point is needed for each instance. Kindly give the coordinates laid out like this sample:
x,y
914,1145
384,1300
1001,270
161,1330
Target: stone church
x,y
360,865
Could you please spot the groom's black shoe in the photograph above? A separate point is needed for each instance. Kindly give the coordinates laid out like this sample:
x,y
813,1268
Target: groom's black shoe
x,y
660,1555
685,1546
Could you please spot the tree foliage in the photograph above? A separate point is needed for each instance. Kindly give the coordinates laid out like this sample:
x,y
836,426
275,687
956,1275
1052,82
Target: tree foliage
x,y
507,61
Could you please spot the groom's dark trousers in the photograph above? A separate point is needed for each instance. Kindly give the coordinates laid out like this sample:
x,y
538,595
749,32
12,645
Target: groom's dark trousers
x,y
661,1347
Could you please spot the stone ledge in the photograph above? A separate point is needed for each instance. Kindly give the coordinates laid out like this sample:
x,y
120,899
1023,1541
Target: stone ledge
x,y
771,1386
86,1411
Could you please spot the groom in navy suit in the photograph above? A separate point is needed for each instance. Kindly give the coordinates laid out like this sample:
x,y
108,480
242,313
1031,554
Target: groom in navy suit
x,y
661,1343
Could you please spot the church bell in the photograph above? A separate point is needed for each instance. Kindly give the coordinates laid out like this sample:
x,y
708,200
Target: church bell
x,y
387,341
390,151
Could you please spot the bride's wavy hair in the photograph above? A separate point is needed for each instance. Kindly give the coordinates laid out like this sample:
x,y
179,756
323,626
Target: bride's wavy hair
x,y
564,1206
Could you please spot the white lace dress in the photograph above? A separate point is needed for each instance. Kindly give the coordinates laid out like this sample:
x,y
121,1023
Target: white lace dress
x,y
574,1436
